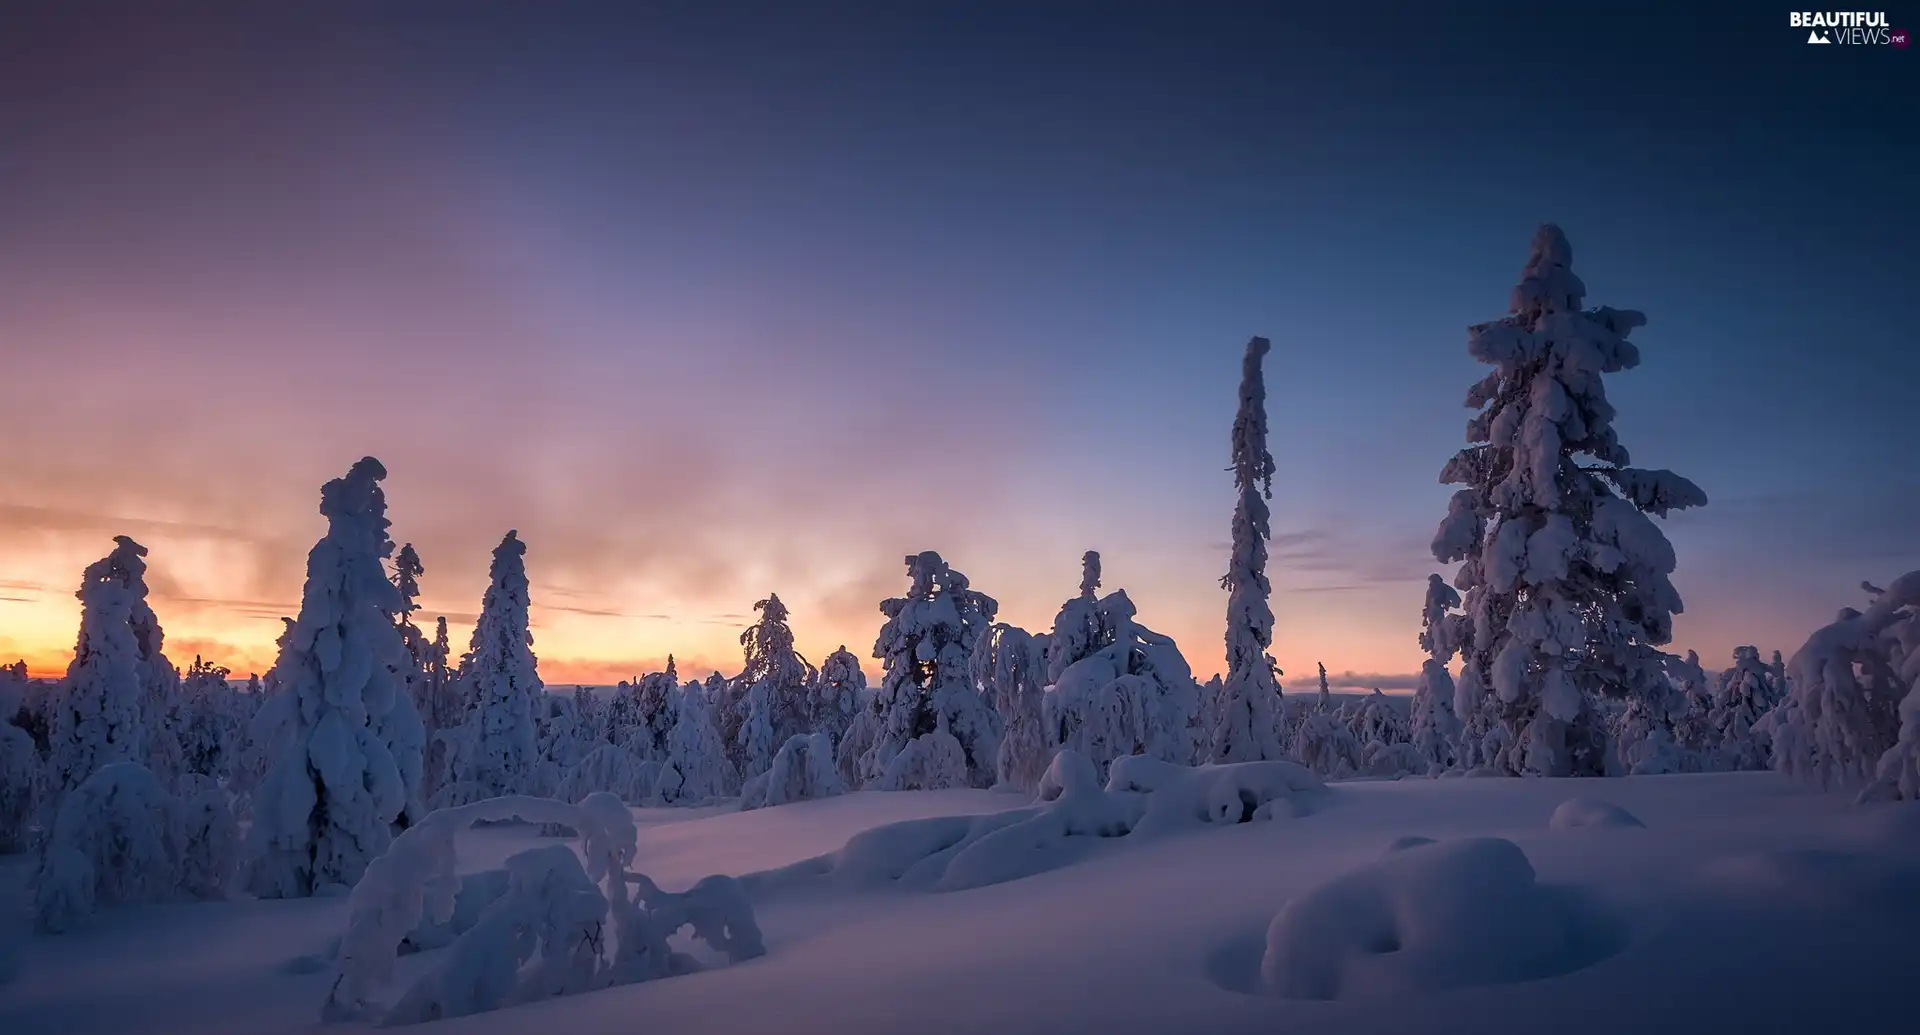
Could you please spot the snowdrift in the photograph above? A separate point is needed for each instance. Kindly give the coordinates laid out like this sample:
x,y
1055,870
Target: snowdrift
x,y
1429,918
1144,798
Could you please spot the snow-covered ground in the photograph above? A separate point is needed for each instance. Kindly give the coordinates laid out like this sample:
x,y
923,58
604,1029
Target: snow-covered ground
x,y
1745,903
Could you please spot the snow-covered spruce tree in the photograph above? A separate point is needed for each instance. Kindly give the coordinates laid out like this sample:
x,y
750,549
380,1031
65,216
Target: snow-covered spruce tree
x,y
1745,695
1565,577
1249,723
499,749
1324,742
650,704
696,767
926,697
1133,694
211,723
837,694
1433,727
1077,629
1840,725
857,744
1007,667
1377,721
101,714
326,807
777,680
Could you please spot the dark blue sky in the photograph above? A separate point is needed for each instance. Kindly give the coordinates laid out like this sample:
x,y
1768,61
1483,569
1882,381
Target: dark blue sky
x,y
831,282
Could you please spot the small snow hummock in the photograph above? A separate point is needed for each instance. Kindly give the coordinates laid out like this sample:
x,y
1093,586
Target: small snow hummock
x,y
120,839
804,768
1429,918
1591,812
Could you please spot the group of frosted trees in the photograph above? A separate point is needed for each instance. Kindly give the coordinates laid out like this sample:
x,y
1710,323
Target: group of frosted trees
x,y
1544,657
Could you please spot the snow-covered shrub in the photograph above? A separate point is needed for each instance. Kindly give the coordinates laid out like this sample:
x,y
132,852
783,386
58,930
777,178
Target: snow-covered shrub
x,y
1007,667
103,711
499,753
211,851
543,935
1388,759
120,839
1427,919
777,679
1129,692
1325,745
551,917
926,644
1250,719
1849,685
1376,721
932,761
1745,696
697,768
803,769
1566,579
1590,812
612,769
325,808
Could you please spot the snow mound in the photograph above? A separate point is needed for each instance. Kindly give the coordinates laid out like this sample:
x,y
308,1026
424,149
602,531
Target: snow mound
x,y
1591,812
1431,918
1401,844
1144,797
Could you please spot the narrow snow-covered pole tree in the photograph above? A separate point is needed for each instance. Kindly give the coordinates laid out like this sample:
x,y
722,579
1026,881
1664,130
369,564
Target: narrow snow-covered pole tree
x,y
101,714
1565,577
1249,713
404,727
326,806
501,753
1435,725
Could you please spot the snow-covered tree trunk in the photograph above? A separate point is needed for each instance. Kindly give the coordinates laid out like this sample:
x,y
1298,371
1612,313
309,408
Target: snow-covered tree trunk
x,y
1249,721
326,806
503,683
1566,580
